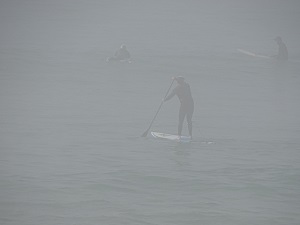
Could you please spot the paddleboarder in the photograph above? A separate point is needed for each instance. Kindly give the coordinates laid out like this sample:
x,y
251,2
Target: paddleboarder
x,y
121,54
282,50
183,92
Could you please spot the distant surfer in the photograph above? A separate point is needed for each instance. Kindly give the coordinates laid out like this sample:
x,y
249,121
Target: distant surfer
x,y
121,54
282,50
183,92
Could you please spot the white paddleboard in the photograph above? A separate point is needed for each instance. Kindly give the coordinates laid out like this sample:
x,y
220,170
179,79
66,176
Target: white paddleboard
x,y
171,137
253,54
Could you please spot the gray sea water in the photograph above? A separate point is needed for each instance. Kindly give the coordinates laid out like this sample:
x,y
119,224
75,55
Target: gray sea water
x,y
70,123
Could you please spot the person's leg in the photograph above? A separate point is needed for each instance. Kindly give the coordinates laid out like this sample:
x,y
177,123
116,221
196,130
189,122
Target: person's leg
x,y
190,124
189,120
181,119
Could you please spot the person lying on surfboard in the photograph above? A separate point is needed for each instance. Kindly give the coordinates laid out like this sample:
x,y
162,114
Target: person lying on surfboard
x,y
183,92
121,54
282,50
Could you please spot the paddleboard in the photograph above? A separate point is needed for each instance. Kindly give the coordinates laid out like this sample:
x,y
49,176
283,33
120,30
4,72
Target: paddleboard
x,y
253,54
171,137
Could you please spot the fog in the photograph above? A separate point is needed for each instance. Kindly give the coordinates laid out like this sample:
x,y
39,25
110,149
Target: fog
x,y
71,122
144,26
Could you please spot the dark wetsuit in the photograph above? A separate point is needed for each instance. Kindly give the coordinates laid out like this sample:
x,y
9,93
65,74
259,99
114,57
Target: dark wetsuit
x,y
183,92
282,51
121,54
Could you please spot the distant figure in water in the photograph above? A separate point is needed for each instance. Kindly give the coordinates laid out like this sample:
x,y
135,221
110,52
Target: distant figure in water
x,y
282,50
183,92
121,55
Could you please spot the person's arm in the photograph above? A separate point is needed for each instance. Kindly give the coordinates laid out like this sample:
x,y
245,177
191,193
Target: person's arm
x,y
171,95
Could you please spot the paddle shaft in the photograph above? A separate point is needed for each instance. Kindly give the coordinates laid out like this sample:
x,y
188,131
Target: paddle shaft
x,y
146,132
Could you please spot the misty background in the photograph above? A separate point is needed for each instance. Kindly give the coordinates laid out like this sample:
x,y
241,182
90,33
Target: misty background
x,y
70,123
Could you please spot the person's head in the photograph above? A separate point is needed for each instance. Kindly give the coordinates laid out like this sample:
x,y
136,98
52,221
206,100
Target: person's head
x,y
278,40
179,79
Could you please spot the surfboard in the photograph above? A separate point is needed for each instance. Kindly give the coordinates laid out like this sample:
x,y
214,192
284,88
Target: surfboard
x,y
171,137
253,54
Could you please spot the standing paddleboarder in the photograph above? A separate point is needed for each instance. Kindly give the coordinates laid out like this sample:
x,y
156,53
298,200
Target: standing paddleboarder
x,y
183,92
283,54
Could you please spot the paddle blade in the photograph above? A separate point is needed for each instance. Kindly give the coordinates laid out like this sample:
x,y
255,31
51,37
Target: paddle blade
x,y
145,133
162,102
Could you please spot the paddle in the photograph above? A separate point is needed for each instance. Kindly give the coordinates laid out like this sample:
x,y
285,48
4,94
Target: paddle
x,y
146,132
